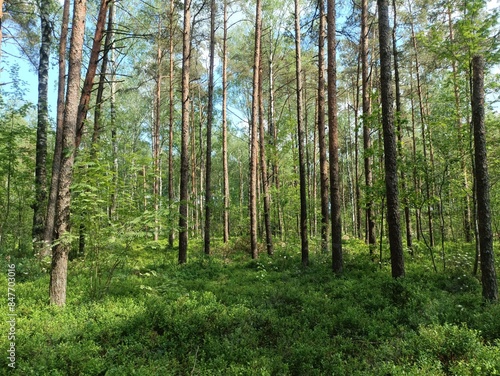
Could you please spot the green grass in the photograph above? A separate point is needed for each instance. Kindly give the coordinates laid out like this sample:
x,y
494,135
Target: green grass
x,y
229,315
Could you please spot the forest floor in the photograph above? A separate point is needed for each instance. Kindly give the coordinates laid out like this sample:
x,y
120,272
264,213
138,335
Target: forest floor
x,y
143,314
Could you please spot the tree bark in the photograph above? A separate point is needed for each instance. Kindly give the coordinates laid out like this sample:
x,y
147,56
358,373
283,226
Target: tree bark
x,y
112,105
253,132
323,164
488,273
210,111
170,184
333,141
102,80
156,134
416,179
304,236
390,148
263,168
56,163
184,179
461,145
225,169
371,236
409,241
59,270
83,107
273,139
40,204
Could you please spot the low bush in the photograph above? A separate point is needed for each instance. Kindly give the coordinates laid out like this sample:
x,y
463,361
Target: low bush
x,y
228,315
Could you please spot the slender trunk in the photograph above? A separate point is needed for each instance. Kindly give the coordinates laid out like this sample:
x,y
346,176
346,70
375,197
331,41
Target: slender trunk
x,y
102,80
91,71
273,137
241,191
323,164
424,138
210,110
333,141
264,173
465,184
184,192
198,167
56,163
10,171
380,258
170,184
87,90
194,189
253,132
40,205
224,128
112,105
156,133
399,129
301,141
314,194
144,188
416,180
356,153
390,148
59,270
371,236
488,273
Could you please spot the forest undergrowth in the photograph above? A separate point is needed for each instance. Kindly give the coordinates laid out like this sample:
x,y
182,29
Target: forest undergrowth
x,y
143,314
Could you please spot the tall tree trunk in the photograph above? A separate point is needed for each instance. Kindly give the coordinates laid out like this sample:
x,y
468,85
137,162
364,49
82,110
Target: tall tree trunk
x,y
273,137
333,141
461,145
40,204
184,192
194,168
323,164
210,110
198,167
357,201
100,87
424,138
301,141
56,163
263,169
156,132
112,105
488,273
87,91
314,174
59,270
225,170
253,132
390,148
371,236
416,179
170,184
399,128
